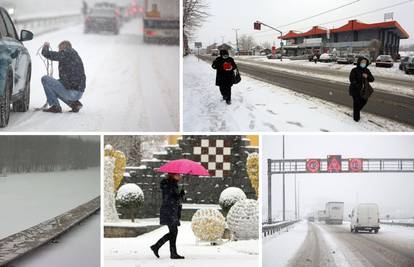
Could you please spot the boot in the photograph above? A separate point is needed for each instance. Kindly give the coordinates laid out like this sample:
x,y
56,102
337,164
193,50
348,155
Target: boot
x,y
76,106
155,249
174,254
53,109
159,244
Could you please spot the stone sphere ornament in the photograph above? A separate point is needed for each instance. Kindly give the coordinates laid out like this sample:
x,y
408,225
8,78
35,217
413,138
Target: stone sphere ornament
x,y
229,197
208,225
243,219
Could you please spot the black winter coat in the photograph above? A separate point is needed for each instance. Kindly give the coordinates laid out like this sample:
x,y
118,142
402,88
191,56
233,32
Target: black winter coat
x,y
71,70
224,77
356,79
170,211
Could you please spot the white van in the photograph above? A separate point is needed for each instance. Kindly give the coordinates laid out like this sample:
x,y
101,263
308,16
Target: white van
x,y
365,217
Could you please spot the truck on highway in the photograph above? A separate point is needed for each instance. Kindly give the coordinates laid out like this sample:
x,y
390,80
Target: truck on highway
x,y
161,21
365,217
334,212
321,215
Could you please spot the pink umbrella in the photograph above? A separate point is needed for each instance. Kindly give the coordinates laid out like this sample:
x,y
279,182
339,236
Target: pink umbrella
x,y
184,166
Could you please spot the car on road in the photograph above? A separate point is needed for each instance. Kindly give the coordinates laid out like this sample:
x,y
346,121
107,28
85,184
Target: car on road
x,y
407,64
384,61
325,57
274,56
102,19
345,59
365,217
15,69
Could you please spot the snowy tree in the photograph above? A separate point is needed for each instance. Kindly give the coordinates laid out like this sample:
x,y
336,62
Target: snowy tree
x,y
194,14
130,198
110,214
229,197
208,225
243,219
246,43
266,45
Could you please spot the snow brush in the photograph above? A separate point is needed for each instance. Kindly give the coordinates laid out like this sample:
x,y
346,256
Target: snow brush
x,y
49,71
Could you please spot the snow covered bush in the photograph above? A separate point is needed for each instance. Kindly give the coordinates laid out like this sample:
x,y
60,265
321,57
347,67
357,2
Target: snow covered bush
x,y
129,198
208,224
110,214
243,219
253,171
120,164
229,197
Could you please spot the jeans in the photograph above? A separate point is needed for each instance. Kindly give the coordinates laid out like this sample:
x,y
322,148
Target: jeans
x,y
55,90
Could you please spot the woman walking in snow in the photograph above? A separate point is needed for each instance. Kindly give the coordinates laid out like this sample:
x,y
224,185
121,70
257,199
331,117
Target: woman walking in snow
x,y
170,214
226,74
360,89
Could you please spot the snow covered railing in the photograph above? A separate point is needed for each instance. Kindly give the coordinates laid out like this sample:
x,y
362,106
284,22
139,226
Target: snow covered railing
x,y
19,244
407,224
39,25
270,229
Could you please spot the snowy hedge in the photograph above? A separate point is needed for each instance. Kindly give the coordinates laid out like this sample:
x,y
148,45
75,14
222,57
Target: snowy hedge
x,y
208,224
253,171
130,197
243,219
229,197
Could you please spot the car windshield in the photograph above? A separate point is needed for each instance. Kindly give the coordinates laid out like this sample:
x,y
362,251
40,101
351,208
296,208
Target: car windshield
x,y
103,12
385,57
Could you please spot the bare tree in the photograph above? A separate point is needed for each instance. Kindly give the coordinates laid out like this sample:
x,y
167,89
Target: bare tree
x,y
246,43
194,14
374,47
266,45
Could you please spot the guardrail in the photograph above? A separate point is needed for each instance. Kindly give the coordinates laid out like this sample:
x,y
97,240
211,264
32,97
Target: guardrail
x,y
399,224
39,25
270,229
19,244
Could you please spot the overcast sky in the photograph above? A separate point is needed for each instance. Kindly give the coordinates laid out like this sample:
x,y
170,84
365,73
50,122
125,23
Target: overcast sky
x,y
229,14
393,192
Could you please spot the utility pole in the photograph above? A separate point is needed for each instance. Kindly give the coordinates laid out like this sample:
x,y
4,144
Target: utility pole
x,y
296,205
269,191
298,200
237,39
284,210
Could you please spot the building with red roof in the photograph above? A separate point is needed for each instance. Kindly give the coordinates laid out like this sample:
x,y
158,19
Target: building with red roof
x,y
353,37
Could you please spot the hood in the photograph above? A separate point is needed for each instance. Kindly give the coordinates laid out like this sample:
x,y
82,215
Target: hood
x,y
224,52
360,58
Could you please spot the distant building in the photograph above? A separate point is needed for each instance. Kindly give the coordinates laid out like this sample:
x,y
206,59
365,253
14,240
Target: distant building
x,y
353,37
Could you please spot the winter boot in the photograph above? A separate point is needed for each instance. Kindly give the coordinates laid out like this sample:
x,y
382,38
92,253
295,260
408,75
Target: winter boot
x,y
159,244
228,101
53,109
76,106
174,254
155,249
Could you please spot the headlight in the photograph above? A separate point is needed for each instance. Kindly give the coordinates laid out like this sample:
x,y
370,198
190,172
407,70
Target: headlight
x,y
10,11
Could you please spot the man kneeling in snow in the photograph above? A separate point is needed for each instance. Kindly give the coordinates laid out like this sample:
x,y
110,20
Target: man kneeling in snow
x,y
71,84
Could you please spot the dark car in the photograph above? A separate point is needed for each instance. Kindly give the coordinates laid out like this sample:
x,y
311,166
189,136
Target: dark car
x,y
15,69
407,64
384,61
102,19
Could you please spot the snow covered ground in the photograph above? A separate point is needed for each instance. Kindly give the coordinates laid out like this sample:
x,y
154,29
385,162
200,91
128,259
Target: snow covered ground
x,y
31,198
258,106
135,252
131,86
318,244
79,247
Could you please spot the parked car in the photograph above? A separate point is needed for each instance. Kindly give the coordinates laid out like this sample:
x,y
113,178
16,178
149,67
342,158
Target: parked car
x,y
275,56
15,69
102,19
346,59
384,61
325,57
407,64
365,217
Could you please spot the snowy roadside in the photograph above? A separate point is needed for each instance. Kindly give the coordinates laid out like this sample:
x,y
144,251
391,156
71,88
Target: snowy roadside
x,y
279,248
259,106
136,252
344,71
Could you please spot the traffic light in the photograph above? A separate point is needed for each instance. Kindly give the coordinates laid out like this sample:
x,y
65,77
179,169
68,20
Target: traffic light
x,y
257,26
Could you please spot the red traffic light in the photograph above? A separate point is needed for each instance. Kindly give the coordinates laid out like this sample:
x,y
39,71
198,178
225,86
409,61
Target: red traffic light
x,y
257,26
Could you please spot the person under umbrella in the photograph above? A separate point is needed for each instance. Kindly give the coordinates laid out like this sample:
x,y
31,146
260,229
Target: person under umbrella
x,y
170,211
170,214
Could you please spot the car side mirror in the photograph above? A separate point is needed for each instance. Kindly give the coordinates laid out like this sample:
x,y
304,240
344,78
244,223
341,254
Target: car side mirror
x,y
26,35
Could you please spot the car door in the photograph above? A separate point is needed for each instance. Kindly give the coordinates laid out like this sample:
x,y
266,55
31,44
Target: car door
x,y
18,53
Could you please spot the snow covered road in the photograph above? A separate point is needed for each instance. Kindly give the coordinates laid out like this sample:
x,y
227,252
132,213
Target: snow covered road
x,y
335,245
122,252
131,86
259,106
